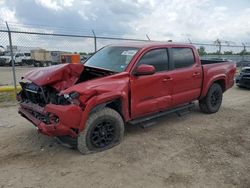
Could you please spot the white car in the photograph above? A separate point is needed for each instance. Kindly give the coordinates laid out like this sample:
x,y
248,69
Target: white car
x,y
6,59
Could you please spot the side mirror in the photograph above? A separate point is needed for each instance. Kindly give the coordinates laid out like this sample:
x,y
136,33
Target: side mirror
x,y
144,69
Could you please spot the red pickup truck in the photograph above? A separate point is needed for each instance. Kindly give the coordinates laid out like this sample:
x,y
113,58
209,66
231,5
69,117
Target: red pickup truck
x,y
89,103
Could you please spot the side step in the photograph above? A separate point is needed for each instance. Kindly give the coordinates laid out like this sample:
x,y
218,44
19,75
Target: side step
x,y
179,111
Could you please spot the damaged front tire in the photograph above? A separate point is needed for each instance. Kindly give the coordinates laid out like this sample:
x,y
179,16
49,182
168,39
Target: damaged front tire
x,y
104,129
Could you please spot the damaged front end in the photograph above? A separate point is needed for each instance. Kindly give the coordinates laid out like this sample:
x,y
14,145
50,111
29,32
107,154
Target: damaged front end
x,y
49,98
53,120
53,114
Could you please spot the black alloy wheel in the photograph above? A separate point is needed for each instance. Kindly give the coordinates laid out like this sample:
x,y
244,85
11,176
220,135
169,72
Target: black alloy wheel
x,y
103,133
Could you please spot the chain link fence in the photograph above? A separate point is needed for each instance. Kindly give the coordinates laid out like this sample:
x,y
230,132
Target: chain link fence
x,y
28,39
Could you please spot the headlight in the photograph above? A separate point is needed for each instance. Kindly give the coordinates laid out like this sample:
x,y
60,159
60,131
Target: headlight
x,y
72,98
74,95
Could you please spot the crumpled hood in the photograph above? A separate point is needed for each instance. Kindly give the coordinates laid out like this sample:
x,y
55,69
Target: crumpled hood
x,y
113,83
59,77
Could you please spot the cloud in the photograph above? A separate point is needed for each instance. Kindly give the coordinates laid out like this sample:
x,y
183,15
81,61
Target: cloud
x,y
54,4
199,20
7,14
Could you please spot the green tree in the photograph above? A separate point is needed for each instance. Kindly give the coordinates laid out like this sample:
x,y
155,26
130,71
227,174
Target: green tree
x,y
202,51
244,52
228,52
82,53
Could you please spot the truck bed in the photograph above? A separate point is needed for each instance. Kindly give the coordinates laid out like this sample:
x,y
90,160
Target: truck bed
x,y
212,61
216,70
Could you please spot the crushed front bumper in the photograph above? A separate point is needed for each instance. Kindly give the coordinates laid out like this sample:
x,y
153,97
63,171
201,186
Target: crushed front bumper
x,y
68,118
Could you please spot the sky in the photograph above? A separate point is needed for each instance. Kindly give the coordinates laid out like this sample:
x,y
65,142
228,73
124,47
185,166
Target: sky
x,y
177,20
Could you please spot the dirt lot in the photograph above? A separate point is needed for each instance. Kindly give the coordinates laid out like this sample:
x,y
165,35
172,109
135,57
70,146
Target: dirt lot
x,y
195,150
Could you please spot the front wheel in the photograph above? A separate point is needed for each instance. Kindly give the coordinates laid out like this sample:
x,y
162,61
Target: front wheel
x,y
104,129
212,102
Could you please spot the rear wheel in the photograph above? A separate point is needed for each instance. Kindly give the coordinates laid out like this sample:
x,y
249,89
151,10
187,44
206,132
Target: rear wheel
x,y
212,102
104,129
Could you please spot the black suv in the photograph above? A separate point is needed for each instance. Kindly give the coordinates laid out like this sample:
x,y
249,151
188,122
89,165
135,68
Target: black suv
x,y
243,80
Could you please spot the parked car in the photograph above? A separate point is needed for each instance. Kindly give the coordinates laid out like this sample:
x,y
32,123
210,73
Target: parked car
x,y
6,59
90,103
243,79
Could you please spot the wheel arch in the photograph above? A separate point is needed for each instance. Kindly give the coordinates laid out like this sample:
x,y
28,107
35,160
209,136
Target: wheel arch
x,y
222,84
220,79
115,104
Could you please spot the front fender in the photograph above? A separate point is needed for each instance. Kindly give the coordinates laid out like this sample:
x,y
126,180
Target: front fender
x,y
103,99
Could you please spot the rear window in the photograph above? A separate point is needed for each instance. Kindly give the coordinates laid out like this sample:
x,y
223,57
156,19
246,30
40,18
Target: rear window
x,y
183,57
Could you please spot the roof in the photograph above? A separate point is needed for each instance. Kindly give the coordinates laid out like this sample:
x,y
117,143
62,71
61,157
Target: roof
x,y
147,44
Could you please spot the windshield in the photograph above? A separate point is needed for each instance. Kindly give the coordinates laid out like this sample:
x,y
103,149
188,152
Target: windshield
x,y
114,58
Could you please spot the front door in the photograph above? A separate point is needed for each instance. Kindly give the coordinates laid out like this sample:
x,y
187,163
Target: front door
x,y
151,93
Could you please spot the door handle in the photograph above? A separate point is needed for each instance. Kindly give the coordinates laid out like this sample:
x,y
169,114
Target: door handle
x,y
167,79
196,74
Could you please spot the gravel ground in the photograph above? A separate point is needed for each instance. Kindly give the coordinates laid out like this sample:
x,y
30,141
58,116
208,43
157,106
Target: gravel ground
x,y
195,150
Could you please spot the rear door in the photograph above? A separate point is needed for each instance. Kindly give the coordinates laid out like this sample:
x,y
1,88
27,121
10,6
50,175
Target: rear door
x,y
186,74
151,93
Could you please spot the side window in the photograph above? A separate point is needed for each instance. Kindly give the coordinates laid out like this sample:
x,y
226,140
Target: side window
x,y
158,58
183,57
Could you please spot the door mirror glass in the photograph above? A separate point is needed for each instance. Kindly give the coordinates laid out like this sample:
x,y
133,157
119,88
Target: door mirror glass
x,y
144,69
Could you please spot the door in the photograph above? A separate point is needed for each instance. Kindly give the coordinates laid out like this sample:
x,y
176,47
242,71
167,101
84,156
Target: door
x,y
151,93
186,75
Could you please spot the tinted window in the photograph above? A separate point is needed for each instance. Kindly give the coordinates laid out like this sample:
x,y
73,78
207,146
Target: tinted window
x,y
183,57
158,58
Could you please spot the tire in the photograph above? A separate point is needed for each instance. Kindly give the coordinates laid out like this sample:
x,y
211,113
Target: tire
x,y
104,129
212,102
